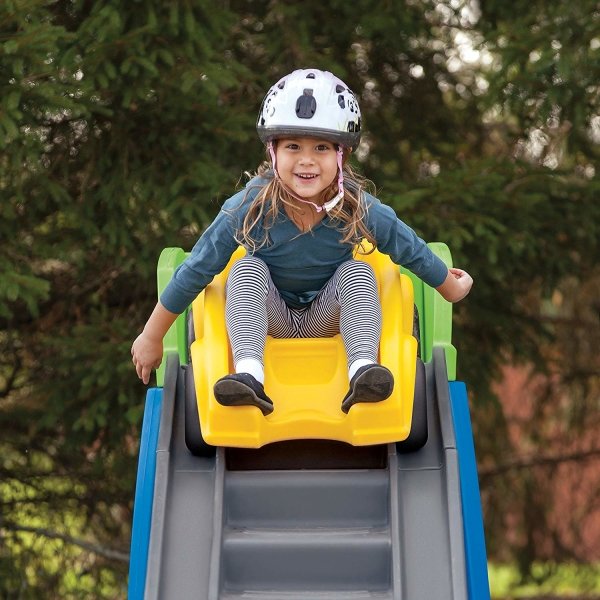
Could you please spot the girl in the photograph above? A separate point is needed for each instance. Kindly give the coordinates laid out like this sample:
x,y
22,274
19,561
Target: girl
x,y
300,220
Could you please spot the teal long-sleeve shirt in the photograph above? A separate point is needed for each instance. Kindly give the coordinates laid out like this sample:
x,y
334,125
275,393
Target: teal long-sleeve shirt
x,y
300,263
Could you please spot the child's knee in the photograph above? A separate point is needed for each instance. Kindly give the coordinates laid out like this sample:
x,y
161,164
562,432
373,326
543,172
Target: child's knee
x,y
248,276
355,271
249,266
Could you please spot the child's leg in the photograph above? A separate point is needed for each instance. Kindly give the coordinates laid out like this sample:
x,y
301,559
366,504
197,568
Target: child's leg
x,y
360,313
253,307
360,325
246,315
350,302
252,302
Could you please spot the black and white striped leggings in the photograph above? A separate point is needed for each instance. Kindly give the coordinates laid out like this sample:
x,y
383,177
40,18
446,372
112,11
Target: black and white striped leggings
x,y
348,304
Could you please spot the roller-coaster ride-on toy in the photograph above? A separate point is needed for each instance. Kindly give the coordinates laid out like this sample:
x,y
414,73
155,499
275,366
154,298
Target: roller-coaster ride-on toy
x,y
309,502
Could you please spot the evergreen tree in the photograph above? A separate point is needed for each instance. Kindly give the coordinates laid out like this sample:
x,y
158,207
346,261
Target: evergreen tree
x,y
124,125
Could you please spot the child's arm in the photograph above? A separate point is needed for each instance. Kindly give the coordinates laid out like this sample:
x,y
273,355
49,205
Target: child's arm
x,y
456,285
147,349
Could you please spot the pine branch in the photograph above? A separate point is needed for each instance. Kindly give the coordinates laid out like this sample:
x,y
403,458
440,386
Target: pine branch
x,y
68,539
538,461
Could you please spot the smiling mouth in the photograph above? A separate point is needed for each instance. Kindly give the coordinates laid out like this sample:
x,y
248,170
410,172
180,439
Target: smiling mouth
x,y
306,176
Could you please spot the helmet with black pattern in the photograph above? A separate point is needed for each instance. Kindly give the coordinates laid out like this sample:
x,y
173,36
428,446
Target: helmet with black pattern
x,y
311,103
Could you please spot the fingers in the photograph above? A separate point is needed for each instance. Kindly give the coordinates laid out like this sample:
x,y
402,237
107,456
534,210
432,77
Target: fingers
x,y
146,374
465,279
147,371
138,368
144,371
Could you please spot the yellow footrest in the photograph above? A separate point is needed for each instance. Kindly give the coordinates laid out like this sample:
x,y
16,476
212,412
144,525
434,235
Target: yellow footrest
x,y
307,378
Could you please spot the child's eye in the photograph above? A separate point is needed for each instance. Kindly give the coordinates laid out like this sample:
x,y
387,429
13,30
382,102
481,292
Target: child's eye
x,y
292,146
323,147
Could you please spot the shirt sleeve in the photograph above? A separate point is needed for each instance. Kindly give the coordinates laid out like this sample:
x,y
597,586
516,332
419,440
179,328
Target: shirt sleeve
x,y
403,245
208,257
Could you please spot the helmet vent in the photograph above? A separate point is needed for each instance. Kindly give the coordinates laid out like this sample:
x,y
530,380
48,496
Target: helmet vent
x,y
339,88
281,85
310,76
341,101
306,105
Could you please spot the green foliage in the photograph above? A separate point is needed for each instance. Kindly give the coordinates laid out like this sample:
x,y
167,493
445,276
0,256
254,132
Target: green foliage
x,y
117,122
516,229
569,580
548,60
38,552
123,127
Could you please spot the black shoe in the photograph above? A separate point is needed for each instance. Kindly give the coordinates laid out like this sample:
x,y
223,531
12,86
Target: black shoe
x,y
371,383
241,389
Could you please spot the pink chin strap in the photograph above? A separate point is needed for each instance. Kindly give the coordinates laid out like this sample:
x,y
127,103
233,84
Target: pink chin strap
x,y
327,206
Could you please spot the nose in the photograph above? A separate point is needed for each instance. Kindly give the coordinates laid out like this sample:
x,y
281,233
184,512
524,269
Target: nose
x,y
306,156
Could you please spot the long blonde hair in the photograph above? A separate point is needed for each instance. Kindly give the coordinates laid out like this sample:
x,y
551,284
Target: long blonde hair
x,y
349,215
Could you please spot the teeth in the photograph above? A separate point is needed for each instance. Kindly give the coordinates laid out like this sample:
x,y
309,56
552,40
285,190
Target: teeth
x,y
302,176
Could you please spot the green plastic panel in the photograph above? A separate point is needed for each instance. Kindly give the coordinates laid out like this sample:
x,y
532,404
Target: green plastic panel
x,y
435,315
175,339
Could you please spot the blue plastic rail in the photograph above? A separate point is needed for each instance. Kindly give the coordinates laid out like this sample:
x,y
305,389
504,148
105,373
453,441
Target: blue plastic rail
x,y
476,556
144,493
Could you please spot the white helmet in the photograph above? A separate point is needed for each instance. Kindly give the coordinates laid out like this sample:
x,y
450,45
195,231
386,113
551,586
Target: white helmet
x,y
312,103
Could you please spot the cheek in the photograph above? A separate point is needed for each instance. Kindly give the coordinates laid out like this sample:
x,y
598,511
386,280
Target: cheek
x,y
282,161
332,170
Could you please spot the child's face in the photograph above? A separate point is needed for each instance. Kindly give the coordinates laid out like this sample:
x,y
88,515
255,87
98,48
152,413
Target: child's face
x,y
306,165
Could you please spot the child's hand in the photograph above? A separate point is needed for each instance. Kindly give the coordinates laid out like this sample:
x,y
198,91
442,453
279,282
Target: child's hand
x,y
457,285
146,355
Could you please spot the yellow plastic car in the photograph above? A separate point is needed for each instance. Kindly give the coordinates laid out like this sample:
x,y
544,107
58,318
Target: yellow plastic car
x,y
306,378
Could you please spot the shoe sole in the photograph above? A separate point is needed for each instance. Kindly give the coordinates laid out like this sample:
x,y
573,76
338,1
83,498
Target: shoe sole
x,y
374,385
236,393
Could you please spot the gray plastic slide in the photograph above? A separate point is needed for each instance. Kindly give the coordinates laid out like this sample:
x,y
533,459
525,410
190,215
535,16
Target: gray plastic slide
x,y
308,519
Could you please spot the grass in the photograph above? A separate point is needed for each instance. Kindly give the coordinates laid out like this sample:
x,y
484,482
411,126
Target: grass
x,y
547,580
